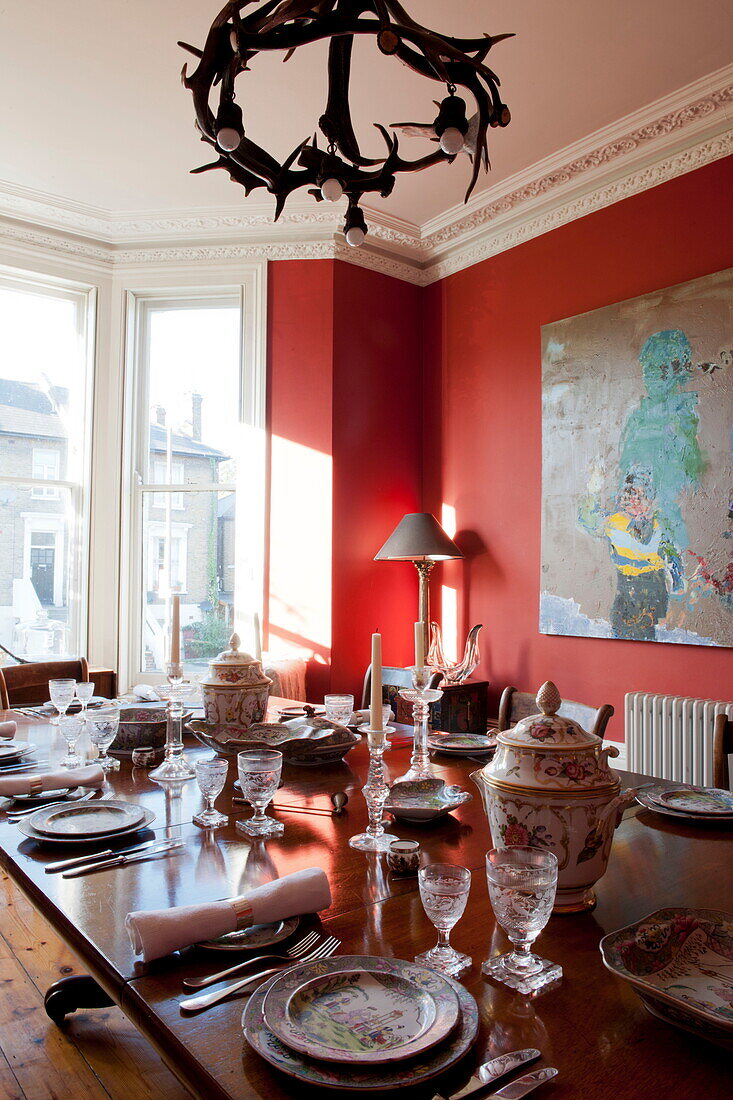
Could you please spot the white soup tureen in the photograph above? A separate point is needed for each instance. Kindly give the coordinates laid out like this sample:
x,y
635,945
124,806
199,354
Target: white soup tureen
x,y
236,690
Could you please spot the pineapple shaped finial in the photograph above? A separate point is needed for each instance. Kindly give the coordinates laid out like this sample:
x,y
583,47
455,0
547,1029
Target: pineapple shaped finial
x,y
549,699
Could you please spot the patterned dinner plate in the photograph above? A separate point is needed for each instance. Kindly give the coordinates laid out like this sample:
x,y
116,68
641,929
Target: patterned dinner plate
x,y
99,817
371,1078
25,826
462,743
649,800
259,935
12,751
361,1009
697,800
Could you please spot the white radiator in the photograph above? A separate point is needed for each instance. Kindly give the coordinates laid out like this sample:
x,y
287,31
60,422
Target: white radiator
x,y
671,737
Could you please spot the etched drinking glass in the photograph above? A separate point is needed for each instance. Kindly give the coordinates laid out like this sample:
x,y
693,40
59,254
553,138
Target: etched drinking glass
x,y
259,777
339,708
103,725
71,732
84,693
522,884
211,775
444,893
61,693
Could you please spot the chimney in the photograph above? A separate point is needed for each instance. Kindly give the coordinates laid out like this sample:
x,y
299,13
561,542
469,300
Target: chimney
x,y
160,415
196,403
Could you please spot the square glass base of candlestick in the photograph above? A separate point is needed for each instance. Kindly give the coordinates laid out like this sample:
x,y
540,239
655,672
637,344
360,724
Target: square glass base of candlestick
x,y
529,983
365,842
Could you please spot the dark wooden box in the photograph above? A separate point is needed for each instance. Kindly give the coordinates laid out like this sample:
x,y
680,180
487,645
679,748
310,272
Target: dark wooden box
x,y
462,708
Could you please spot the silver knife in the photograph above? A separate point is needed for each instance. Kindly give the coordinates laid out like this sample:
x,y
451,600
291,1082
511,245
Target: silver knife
x,y
516,1089
493,1070
108,853
122,861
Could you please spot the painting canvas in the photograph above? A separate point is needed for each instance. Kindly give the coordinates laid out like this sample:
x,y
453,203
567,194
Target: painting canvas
x,y
637,470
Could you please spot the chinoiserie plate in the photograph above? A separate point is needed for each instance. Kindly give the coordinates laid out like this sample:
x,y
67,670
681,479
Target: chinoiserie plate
x,y
695,800
461,744
422,800
648,799
680,962
13,751
258,935
25,827
370,1078
360,1010
87,819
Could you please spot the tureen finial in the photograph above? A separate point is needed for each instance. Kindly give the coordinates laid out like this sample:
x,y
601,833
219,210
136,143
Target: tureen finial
x,y
549,699
234,641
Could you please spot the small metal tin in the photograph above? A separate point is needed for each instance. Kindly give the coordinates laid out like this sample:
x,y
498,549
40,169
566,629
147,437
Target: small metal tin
x,y
403,857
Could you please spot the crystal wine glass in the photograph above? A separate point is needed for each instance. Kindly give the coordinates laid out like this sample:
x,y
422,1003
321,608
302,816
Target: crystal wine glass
x,y
71,731
522,884
61,693
211,775
259,776
84,692
444,893
103,725
339,708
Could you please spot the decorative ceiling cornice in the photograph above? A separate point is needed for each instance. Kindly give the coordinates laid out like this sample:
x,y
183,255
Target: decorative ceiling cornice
x,y
683,131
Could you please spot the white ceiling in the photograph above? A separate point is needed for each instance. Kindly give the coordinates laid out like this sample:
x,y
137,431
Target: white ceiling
x,y
92,109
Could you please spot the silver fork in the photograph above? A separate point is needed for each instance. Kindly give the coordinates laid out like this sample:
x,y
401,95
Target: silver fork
x,y
14,815
194,1004
295,952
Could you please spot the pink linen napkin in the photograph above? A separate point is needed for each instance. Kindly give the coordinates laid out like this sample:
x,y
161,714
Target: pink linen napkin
x,y
91,776
157,932
8,729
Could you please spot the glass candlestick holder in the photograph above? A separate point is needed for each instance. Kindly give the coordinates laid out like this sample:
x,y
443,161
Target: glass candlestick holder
x,y
421,696
175,766
375,793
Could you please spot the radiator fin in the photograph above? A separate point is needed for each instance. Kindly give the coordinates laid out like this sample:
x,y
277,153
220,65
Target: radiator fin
x,y
671,736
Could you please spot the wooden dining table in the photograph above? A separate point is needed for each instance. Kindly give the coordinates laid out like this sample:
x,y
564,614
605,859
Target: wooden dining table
x,y
591,1025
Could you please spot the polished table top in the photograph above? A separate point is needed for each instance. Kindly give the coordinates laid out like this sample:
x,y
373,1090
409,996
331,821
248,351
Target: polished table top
x,y
591,1026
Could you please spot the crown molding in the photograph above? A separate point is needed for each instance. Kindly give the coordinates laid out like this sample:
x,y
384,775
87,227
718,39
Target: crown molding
x,y
676,134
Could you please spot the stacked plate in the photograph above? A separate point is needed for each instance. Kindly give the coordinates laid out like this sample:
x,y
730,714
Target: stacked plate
x,y
690,803
461,744
85,822
361,1022
13,753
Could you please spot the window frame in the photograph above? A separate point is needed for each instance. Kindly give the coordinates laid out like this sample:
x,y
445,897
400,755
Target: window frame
x,y
251,298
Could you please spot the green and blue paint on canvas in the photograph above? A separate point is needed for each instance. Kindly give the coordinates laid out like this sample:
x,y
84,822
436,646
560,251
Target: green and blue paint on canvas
x,y
637,533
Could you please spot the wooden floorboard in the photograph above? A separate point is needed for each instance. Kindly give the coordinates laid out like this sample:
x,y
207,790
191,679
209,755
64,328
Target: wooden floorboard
x,y
97,1055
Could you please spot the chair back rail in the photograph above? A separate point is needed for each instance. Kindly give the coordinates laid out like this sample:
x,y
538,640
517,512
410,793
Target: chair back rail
x,y
515,705
393,681
27,685
722,749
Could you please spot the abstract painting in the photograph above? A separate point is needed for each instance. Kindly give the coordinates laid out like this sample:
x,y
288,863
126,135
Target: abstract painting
x,y
637,468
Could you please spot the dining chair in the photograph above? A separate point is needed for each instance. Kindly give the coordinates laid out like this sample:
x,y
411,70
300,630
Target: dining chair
x,y
515,705
393,682
722,749
27,685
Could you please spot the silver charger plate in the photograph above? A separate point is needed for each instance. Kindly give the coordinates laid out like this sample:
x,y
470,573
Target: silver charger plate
x,y
25,827
388,1075
259,935
100,817
361,1010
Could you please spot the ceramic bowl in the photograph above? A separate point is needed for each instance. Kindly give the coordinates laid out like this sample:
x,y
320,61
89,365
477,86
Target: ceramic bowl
x,y
422,800
141,725
678,961
307,742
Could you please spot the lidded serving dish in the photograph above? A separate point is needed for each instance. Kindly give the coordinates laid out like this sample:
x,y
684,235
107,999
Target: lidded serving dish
x,y
308,741
550,785
236,689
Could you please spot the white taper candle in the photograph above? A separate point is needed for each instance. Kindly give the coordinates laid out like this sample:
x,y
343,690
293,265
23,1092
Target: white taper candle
x,y
419,645
176,631
375,701
258,638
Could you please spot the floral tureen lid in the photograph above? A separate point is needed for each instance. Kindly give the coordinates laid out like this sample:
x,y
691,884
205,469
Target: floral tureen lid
x,y
234,666
547,728
233,655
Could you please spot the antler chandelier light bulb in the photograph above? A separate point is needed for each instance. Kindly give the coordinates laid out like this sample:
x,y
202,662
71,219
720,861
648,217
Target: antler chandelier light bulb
x,y
340,169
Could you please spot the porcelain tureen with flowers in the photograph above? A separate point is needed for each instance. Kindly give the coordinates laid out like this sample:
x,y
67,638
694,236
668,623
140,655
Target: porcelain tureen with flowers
x,y
550,785
236,690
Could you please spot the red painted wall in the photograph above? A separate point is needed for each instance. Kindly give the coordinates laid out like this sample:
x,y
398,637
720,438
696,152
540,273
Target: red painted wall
x,y
482,426
343,385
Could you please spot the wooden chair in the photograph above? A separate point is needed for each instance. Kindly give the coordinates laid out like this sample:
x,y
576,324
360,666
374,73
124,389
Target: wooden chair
x,y
722,749
393,681
514,705
27,685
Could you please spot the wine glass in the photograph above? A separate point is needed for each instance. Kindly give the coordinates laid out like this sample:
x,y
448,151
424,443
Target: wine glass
x,y
84,692
103,725
339,708
61,693
211,775
71,731
444,893
522,884
259,776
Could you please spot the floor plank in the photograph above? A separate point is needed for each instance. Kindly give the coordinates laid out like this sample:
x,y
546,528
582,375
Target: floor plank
x,y
120,1064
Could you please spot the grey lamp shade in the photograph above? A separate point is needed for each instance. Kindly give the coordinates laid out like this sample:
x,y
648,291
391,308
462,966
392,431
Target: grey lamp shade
x,y
418,537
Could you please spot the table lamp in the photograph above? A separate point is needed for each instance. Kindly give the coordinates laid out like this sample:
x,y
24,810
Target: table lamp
x,y
419,538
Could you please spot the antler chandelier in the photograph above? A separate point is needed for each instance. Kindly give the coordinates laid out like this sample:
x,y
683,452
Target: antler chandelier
x,y
339,169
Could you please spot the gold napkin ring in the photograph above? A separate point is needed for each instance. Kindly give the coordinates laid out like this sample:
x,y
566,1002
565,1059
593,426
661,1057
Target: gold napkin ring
x,y
244,913
36,785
